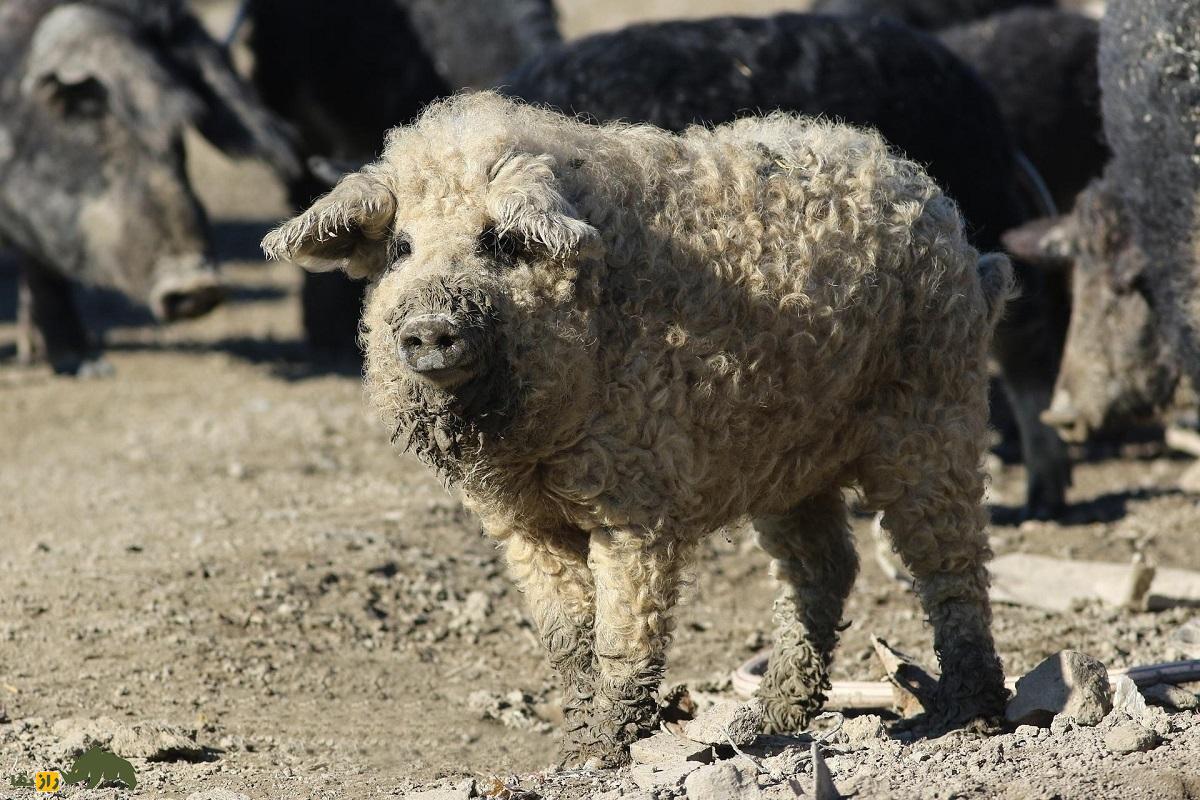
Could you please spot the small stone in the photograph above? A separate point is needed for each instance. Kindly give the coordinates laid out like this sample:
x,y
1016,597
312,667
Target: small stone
x,y
665,748
867,728
1129,737
1062,723
728,780
217,794
725,721
1028,731
1068,682
1178,698
653,776
439,794
1127,700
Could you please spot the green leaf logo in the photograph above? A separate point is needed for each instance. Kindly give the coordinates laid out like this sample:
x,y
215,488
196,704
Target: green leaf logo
x,y
98,766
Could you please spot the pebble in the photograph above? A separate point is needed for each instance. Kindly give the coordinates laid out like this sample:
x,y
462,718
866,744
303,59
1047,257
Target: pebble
x,y
652,776
666,748
1129,737
728,780
864,729
1164,694
725,721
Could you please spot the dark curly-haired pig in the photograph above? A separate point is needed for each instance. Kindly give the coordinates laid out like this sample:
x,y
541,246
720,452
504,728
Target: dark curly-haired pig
x,y
929,15
617,340
1135,242
1040,63
94,98
343,79
920,96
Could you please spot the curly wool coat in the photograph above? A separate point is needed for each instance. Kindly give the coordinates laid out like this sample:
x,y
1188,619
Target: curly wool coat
x,y
675,333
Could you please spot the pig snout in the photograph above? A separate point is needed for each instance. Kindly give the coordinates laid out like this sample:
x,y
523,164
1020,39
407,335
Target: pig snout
x,y
1064,417
436,347
185,295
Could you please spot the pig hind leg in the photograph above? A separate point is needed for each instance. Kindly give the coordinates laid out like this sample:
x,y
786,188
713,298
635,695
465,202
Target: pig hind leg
x,y
928,482
815,561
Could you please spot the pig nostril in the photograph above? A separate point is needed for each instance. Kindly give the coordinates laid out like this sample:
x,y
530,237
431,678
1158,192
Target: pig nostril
x,y
445,341
411,341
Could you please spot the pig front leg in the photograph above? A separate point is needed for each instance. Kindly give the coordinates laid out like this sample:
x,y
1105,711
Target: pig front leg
x,y
637,578
49,325
552,571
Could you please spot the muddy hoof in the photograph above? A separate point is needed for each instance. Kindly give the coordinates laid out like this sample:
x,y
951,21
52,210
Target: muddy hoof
x,y
933,725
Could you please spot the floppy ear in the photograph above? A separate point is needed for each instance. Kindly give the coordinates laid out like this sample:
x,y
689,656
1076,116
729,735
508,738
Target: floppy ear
x,y
346,229
523,199
80,48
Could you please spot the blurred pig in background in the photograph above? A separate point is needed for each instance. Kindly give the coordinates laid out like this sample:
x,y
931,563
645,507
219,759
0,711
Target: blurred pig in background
x,y
94,100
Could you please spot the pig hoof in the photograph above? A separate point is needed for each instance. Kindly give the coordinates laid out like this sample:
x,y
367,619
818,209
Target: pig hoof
x,y
96,368
85,367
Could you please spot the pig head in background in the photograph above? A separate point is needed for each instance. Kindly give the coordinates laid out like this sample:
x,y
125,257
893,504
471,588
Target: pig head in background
x,y
392,57
94,99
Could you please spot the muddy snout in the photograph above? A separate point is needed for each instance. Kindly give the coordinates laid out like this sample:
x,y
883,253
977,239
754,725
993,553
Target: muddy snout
x,y
439,347
185,295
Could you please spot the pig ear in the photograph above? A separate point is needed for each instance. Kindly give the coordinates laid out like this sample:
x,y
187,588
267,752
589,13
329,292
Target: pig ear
x,y
230,115
523,198
76,44
346,229
1048,242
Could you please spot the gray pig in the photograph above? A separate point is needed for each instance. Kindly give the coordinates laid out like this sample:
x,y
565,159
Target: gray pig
x,y
1134,237
1116,371
94,98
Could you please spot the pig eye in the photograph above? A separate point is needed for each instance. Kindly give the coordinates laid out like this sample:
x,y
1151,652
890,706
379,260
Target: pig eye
x,y
399,248
87,99
505,248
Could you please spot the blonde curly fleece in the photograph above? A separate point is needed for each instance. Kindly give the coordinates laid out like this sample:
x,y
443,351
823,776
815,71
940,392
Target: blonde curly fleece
x,y
736,322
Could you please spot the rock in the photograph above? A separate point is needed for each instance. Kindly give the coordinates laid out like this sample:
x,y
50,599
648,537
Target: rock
x,y
217,794
1127,700
1062,724
156,741
728,780
1068,682
514,710
664,748
725,721
654,776
1164,694
1129,737
1028,731
823,786
1188,637
864,729
453,793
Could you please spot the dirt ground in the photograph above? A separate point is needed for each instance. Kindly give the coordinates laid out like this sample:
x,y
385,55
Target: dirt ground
x,y
221,539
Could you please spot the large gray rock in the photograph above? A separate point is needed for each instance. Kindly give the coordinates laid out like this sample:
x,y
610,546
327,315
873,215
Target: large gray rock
x,y
725,721
1068,682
